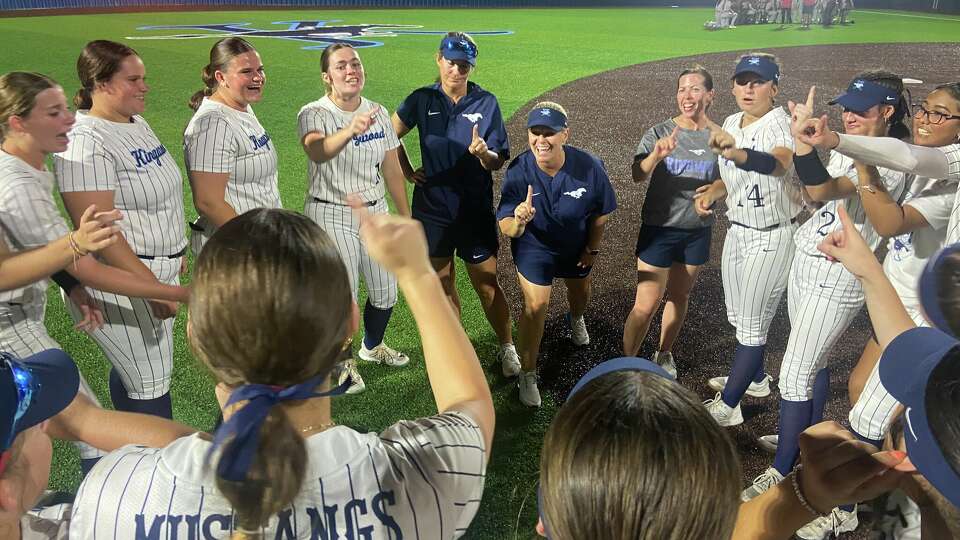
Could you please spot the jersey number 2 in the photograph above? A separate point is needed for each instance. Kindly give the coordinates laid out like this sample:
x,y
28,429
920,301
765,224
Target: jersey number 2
x,y
753,194
830,217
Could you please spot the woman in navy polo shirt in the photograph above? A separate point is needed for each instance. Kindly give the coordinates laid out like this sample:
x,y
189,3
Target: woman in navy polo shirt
x,y
462,139
554,206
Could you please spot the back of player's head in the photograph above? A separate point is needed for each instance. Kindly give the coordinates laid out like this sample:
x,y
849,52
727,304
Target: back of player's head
x,y
943,402
18,95
697,69
222,52
632,454
939,289
99,61
270,309
897,127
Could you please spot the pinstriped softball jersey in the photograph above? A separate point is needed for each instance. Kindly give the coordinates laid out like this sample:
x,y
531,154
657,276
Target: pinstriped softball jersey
x,y
129,160
760,200
221,139
953,158
46,523
824,220
417,479
356,169
823,298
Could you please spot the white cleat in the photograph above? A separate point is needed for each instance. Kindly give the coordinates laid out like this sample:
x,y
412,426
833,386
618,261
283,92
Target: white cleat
x,y
578,330
725,415
756,389
837,522
665,360
769,443
529,393
348,370
509,360
382,354
762,483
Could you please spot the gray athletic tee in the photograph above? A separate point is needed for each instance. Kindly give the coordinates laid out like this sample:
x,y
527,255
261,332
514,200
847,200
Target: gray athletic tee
x,y
669,200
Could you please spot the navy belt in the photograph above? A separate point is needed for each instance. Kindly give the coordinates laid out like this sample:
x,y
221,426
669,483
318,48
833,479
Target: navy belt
x,y
178,254
365,203
773,227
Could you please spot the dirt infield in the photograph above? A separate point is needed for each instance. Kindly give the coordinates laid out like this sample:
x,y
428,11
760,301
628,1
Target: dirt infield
x,y
609,112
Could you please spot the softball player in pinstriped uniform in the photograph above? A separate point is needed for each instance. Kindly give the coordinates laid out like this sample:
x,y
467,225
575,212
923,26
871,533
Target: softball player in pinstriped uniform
x,y
763,202
925,217
29,218
114,160
230,159
823,298
420,478
353,150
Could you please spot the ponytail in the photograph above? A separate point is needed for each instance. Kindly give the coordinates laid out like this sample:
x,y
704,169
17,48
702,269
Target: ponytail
x,y
83,100
209,86
898,129
274,477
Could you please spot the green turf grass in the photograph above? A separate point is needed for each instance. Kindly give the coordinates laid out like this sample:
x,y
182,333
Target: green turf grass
x,y
548,48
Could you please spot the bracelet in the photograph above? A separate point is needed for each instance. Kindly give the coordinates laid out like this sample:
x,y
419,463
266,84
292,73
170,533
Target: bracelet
x,y
794,477
867,188
77,252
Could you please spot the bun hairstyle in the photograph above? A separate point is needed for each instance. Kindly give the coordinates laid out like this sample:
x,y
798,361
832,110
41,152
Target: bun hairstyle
x,y
222,52
98,62
635,455
18,95
292,334
897,128
325,58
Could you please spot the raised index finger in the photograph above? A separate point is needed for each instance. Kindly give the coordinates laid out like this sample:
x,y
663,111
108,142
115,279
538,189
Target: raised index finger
x,y
810,96
476,132
529,195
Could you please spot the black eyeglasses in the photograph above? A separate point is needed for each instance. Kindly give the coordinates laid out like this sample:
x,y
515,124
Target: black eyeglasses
x,y
933,117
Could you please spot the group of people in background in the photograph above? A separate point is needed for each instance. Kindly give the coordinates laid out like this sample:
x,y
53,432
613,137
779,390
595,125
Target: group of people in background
x,y
273,304
731,13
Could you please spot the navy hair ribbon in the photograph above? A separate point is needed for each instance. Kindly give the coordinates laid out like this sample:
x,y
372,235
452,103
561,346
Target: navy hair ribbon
x,y
240,435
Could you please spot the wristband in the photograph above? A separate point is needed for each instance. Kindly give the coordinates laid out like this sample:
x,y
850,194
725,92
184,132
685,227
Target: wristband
x,y
810,169
760,162
794,477
65,281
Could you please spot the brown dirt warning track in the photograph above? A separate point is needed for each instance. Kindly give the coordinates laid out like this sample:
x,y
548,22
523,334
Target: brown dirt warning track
x,y
609,112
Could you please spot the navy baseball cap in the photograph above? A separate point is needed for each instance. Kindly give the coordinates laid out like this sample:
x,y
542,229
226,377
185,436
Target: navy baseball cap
x,y
625,363
863,94
905,369
764,66
458,48
548,118
34,389
929,288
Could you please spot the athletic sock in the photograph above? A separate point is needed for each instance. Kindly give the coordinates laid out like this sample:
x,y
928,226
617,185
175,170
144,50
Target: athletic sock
x,y
118,392
374,324
794,418
821,392
87,464
161,406
760,374
747,360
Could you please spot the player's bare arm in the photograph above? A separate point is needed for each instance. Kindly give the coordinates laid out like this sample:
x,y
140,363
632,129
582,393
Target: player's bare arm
x,y
455,375
209,196
415,176
887,216
320,147
396,181
708,196
594,239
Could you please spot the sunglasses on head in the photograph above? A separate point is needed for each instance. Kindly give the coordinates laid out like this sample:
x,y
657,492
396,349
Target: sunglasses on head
x,y
25,386
462,45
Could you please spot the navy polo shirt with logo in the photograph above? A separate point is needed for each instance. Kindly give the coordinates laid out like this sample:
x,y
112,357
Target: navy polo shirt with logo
x,y
457,184
564,203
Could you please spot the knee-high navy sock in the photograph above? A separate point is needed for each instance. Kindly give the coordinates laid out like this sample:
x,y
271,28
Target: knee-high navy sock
x,y
161,406
118,392
821,392
374,324
794,418
746,361
760,374
87,464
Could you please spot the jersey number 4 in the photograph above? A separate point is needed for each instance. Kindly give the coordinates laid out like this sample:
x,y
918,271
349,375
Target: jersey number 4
x,y
753,194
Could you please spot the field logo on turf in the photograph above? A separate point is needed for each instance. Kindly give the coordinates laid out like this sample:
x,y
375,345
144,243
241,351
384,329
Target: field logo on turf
x,y
321,34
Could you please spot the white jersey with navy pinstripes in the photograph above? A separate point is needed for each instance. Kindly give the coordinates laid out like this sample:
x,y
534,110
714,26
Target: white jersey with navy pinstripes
x,y
221,139
28,218
416,479
824,220
953,158
760,200
356,169
128,159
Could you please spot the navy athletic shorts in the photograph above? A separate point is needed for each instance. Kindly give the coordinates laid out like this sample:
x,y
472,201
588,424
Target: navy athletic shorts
x,y
473,237
541,267
664,246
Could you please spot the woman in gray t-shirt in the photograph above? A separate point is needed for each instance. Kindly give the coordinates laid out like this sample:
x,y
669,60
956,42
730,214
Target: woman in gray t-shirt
x,y
674,240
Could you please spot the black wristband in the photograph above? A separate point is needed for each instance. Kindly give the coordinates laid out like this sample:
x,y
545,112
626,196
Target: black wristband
x,y
810,169
760,162
65,280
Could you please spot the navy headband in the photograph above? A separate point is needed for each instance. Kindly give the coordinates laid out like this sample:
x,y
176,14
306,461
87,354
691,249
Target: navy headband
x,y
240,435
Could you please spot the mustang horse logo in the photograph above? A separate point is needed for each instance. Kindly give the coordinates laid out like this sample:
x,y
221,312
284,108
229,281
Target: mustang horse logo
x,y
319,33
